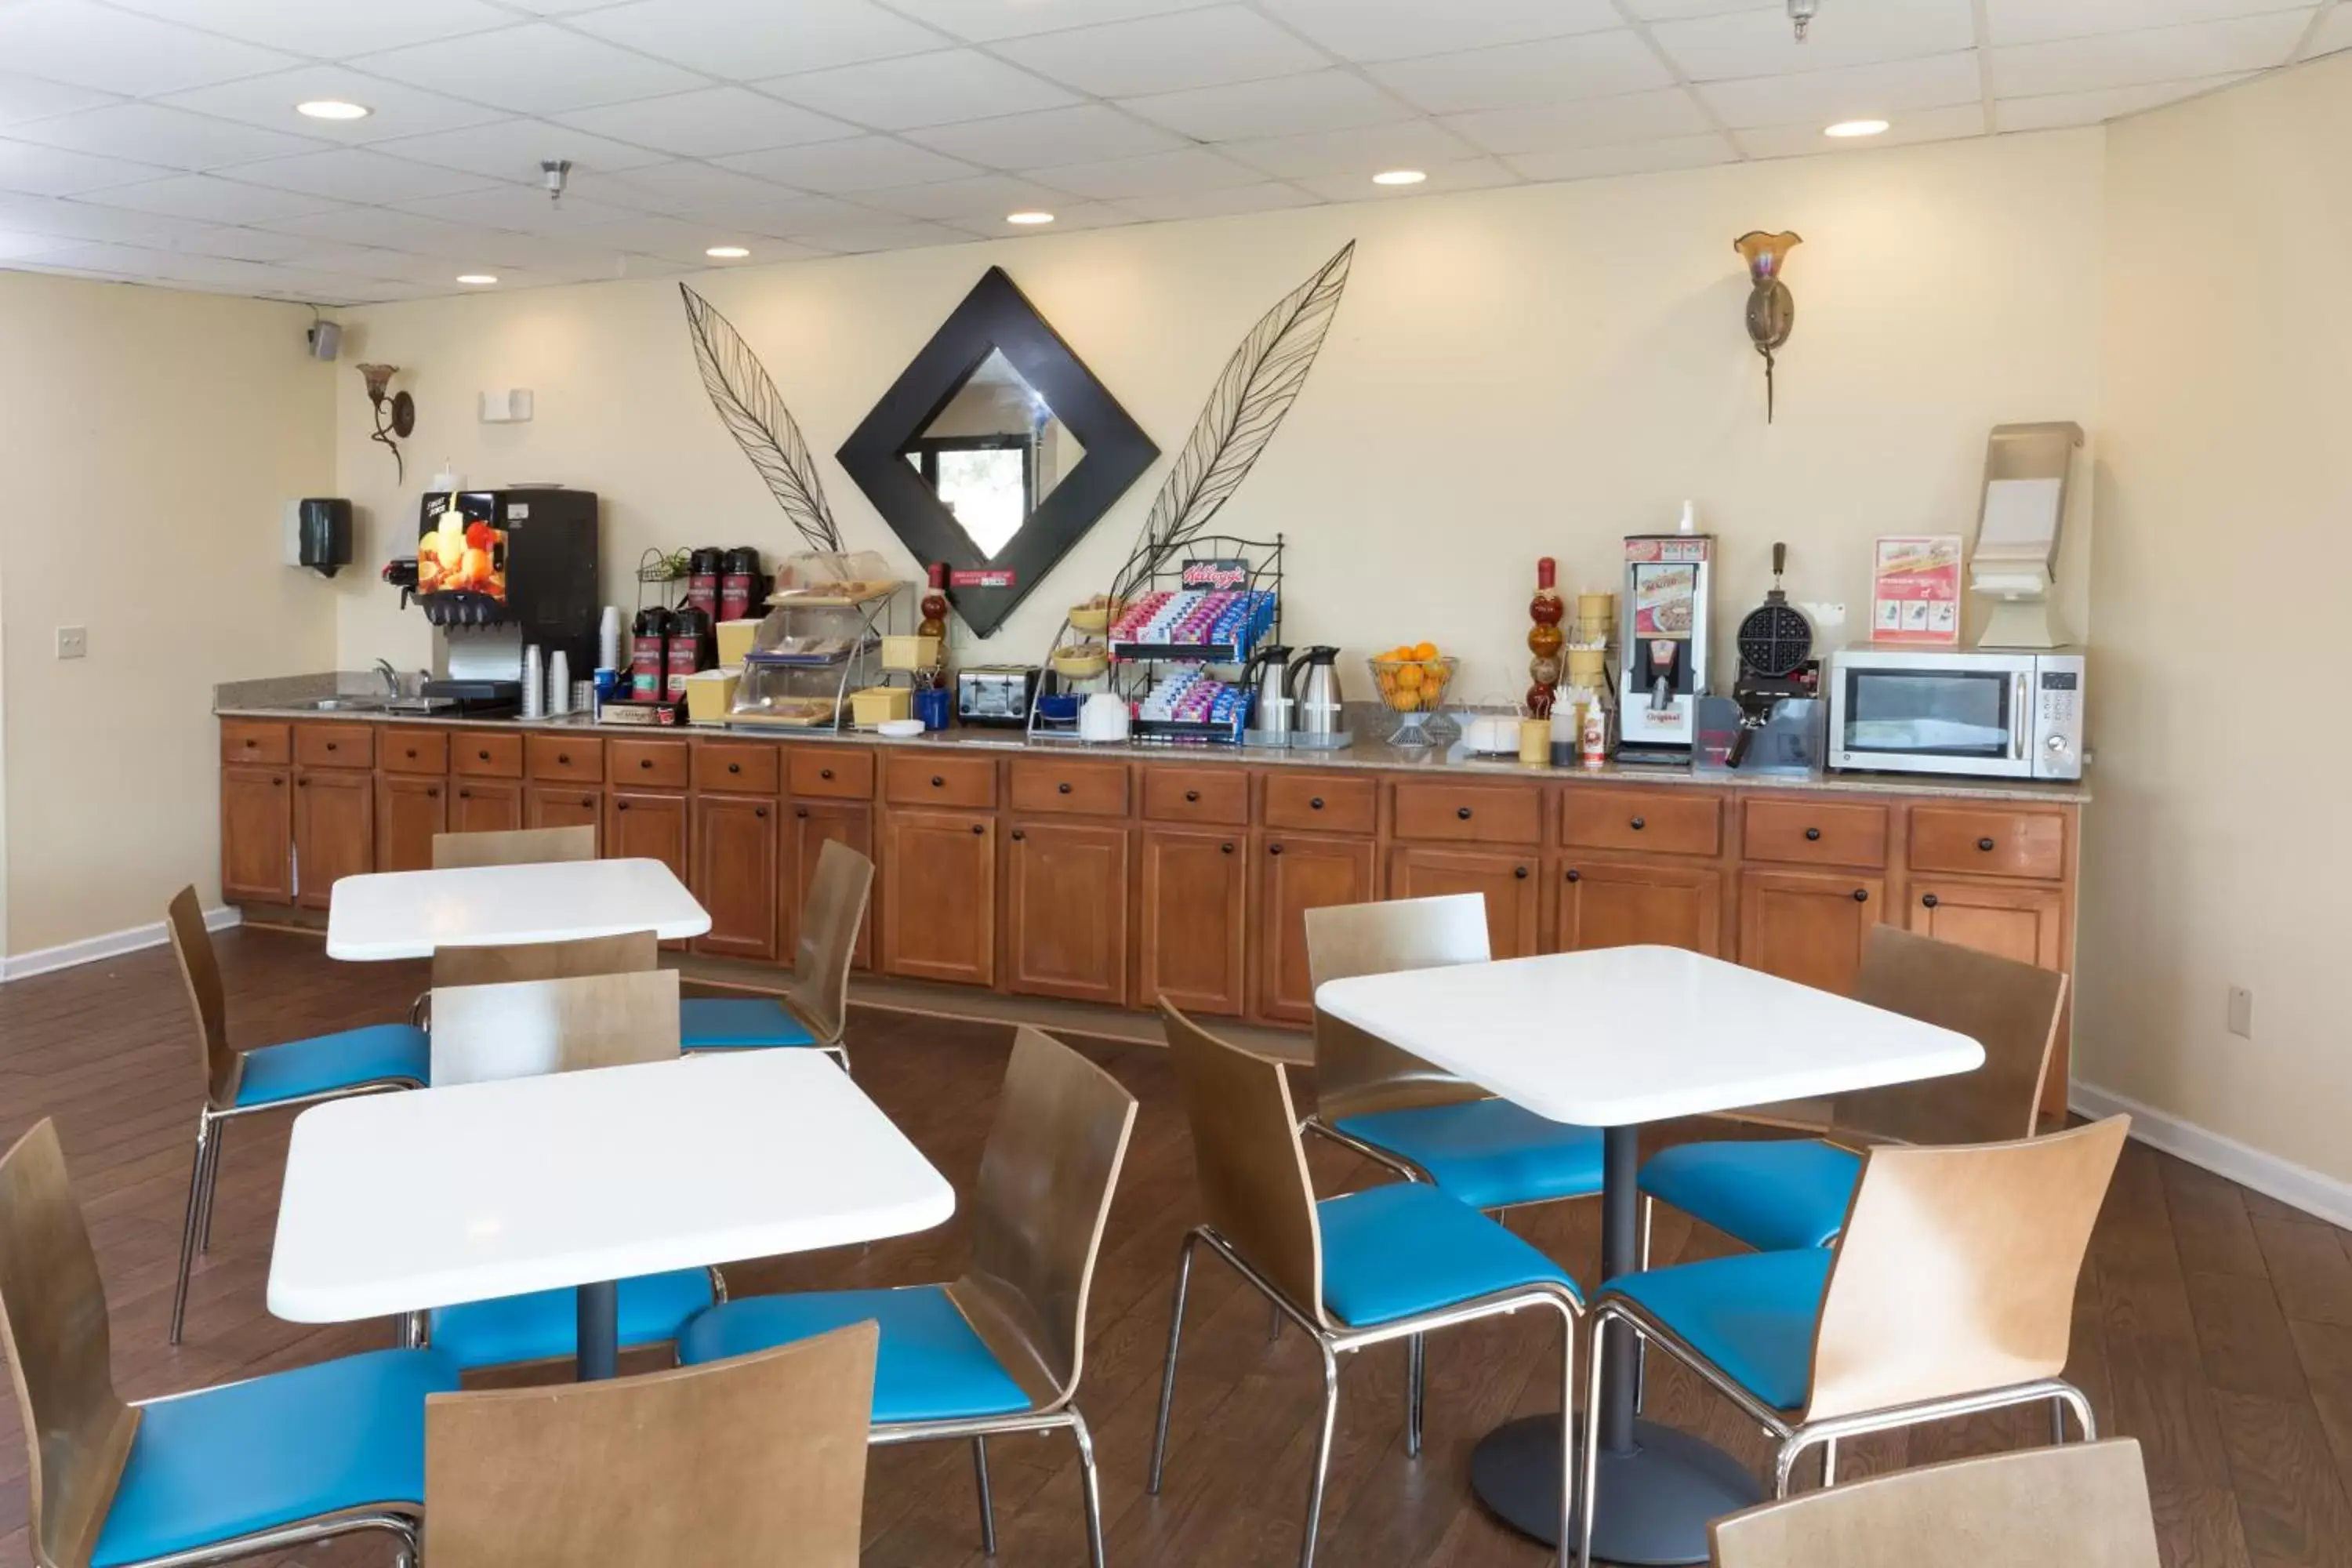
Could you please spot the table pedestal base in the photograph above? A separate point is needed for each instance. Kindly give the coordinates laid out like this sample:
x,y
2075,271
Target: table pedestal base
x,y
598,1349
1655,1497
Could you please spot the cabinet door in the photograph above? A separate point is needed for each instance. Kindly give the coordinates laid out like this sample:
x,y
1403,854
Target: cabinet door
x,y
938,896
484,806
646,825
2023,923
258,835
735,875
1195,893
1065,911
334,831
408,813
1808,926
1506,881
813,822
1296,874
566,806
1626,903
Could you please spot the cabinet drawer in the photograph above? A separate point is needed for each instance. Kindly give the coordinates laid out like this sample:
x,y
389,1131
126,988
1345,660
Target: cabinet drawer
x,y
404,750
571,759
244,741
1480,814
486,755
1328,803
1090,789
934,779
736,767
830,773
1805,833
334,745
649,764
1665,822
1219,795
1989,841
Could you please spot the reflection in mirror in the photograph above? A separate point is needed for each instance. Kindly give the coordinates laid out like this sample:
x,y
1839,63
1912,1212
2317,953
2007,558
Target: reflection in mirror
x,y
993,453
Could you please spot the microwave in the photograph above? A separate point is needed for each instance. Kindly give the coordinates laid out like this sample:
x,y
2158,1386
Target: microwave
x,y
1981,714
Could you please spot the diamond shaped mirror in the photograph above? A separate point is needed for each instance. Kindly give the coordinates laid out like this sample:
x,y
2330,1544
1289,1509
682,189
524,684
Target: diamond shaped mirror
x,y
995,451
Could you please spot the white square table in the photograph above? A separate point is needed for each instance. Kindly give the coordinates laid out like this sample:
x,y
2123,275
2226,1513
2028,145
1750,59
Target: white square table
x,y
408,914
400,1202
1613,1037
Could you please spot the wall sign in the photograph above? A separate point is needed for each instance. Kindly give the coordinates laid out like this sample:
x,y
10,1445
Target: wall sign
x,y
1914,596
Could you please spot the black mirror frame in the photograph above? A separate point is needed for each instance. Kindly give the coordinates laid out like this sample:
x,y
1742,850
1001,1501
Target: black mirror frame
x,y
996,316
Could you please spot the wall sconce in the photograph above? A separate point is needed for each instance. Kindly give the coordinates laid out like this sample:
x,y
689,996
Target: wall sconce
x,y
1772,309
396,413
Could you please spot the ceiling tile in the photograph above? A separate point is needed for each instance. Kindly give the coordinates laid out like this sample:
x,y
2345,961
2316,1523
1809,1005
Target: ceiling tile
x,y
678,189
213,199
742,40
26,97
1069,217
886,234
1676,10
1284,105
1156,173
398,108
2055,109
351,261
1854,92
1465,175
2039,21
382,227
667,237
2335,33
935,89
984,21
90,46
514,149
1167,54
168,138
359,174
53,171
1584,122
1594,65
1171,205
793,217
1374,30
2156,54
1806,140
325,28
14,245
860,162
709,122
1409,144
535,69
984,196
525,209
1763,43
244,244
86,220
1049,136
1626,158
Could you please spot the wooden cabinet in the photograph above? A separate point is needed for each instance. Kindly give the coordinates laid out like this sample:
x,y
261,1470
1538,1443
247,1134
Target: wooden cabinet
x,y
647,765
735,840
1065,907
1322,802
1508,882
1809,926
1671,821
409,811
563,806
1193,921
334,830
256,827
1625,903
484,806
810,824
646,825
1989,841
1298,872
938,896
1468,813
2028,924
405,750
486,753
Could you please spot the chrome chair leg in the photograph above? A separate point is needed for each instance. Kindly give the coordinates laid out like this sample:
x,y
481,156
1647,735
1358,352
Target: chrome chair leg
x,y
1641,1343
1784,1467
211,1184
1829,1464
1273,1323
1089,1487
1589,1491
192,1222
1168,1374
1567,1431
1322,1454
987,1502
1415,1386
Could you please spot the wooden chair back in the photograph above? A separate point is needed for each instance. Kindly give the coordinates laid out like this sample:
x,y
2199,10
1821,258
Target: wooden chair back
x,y
629,954
2012,1009
1356,1072
1038,1212
1254,1189
526,1028
829,923
2083,1505
517,847
192,945
757,1459
1957,1270
78,1430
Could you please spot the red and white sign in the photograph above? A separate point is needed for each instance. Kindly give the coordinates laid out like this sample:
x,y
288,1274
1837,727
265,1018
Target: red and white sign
x,y
1914,595
982,577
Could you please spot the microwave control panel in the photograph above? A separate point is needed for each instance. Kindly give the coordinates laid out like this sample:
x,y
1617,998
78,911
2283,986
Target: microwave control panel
x,y
2058,719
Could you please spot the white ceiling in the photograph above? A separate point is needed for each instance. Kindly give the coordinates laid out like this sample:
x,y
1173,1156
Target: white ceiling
x,y
156,141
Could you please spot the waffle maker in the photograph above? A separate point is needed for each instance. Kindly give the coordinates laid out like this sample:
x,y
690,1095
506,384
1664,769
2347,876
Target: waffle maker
x,y
1776,661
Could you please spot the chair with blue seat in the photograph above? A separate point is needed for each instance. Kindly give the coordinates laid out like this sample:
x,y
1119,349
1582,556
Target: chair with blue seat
x,y
1389,1263
814,1011
286,1076
1785,1192
245,1469
1000,1350
1949,1291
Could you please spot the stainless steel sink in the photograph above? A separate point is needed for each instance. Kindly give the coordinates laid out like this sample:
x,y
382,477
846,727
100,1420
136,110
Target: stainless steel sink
x,y
345,705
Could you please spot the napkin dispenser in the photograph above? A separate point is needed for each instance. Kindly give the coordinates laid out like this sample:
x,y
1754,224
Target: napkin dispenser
x,y
2025,508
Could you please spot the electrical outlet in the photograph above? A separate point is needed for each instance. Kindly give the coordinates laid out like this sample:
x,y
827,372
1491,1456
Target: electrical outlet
x,y
73,642
2241,1011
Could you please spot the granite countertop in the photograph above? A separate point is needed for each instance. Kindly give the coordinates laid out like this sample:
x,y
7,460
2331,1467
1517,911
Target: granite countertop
x,y
296,696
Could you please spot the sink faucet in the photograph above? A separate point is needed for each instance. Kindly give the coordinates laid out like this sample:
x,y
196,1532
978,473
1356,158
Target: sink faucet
x,y
391,678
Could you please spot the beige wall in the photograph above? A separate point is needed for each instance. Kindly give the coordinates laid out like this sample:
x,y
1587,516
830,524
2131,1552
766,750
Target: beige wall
x,y
150,437
2218,851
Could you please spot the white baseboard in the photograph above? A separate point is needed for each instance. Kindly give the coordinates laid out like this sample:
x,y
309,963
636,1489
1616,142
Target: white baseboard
x,y
2320,1195
110,944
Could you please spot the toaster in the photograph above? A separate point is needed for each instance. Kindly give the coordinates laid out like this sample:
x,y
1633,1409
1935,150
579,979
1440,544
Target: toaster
x,y
996,694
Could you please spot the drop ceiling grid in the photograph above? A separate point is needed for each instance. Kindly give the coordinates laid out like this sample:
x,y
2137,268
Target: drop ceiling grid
x,y
154,140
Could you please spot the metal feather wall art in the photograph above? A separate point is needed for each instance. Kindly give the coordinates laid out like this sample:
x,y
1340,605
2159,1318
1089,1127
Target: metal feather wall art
x,y
754,414
1253,394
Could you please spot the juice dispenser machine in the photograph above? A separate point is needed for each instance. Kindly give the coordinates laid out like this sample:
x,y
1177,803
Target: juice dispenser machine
x,y
497,570
1664,643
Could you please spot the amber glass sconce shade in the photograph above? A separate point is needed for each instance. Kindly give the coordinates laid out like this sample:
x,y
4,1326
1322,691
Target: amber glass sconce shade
x,y
395,412
1771,309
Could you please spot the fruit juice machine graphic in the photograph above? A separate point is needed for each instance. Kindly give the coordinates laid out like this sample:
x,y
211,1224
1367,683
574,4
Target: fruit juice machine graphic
x,y
1664,673
500,570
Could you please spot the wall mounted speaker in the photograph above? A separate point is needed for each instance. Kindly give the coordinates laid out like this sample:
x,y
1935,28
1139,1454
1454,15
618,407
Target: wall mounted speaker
x,y
326,340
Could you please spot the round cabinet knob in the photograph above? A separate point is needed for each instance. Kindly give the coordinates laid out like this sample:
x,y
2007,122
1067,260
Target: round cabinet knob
x,y
1520,872
277,784
1315,805
1191,797
1812,836
1225,848
1018,836
1861,895
465,794
761,812
433,794
1062,789
824,773
484,756
591,800
1575,876
1274,848
1930,901
302,783
1638,824
799,811
1462,813
330,745
1985,845
563,758
617,805
734,767
938,783
645,762
981,827
410,753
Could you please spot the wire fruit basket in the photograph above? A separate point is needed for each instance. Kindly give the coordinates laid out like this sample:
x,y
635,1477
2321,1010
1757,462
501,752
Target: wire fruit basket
x,y
1412,689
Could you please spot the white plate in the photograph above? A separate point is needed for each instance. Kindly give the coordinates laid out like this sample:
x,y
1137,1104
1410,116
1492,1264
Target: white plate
x,y
899,728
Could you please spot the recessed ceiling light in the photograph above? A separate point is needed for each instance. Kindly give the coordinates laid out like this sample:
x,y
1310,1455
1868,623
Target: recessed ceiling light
x,y
1399,177
477,279
1855,128
333,108
726,252
1028,218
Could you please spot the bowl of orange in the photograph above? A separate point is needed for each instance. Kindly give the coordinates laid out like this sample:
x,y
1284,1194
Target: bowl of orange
x,y
1410,681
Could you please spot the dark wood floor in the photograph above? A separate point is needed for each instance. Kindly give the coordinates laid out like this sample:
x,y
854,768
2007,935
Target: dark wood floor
x,y
2213,1324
